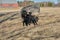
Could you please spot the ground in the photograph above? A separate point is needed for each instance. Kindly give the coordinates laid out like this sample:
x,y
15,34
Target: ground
x,y
48,27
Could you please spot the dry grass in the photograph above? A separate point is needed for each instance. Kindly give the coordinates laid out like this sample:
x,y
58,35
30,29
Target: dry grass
x,y
48,27
9,9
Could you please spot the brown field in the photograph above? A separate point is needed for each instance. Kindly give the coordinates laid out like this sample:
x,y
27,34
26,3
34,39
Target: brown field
x,y
48,27
9,9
